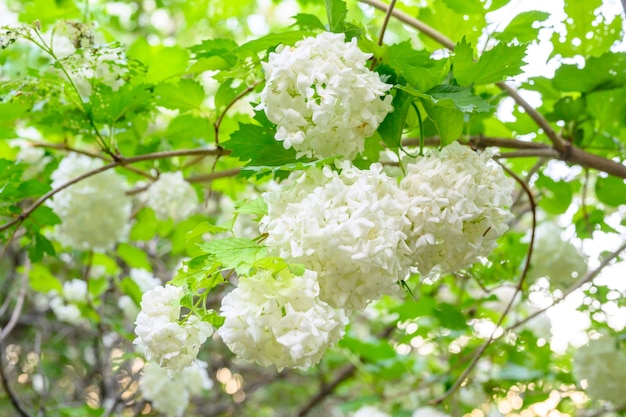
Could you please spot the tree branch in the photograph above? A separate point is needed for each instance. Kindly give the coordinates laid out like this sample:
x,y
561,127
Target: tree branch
x,y
492,337
118,163
345,373
567,151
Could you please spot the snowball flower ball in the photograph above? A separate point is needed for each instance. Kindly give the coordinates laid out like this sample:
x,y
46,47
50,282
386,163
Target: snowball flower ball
x,y
94,212
602,363
459,207
280,320
322,97
554,258
349,227
169,392
170,196
170,344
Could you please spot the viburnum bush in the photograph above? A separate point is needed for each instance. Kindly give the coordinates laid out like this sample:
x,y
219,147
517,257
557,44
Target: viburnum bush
x,y
288,208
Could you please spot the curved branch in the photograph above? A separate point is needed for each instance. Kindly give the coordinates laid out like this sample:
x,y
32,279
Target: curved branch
x,y
588,278
492,337
567,151
118,163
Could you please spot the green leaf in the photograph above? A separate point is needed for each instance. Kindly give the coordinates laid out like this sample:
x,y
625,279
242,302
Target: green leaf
x,y
392,126
256,144
462,97
49,11
133,256
257,206
272,40
605,72
412,309
608,107
145,226
41,280
130,288
162,61
374,351
97,286
611,190
204,228
216,48
307,21
447,119
588,33
567,109
41,247
336,12
466,6
417,68
556,196
450,317
108,106
234,252
493,66
523,27
183,95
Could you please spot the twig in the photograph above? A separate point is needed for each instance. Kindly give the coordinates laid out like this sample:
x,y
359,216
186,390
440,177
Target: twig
x,y
492,337
120,162
239,96
345,373
383,28
18,304
216,175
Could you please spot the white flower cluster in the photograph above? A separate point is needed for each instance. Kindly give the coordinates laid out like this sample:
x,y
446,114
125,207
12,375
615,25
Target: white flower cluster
x,y
602,363
169,343
369,411
104,64
280,320
349,227
170,196
457,208
428,412
65,306
554,258
322,97
31,155
145,281
94,212
169,392
9,34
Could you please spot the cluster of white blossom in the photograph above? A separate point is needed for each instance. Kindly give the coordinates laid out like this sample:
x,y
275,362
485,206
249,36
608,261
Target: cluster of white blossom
x,y
458,207
103,64
169,392
171,344
554,258
145,281
428,412
94,212
9,34
602,363
349,227
65,306
280,320
322,97
33,156
170,196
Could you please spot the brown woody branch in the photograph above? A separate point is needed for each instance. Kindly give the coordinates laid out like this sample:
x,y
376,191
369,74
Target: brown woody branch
x,y
120,162
567,152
